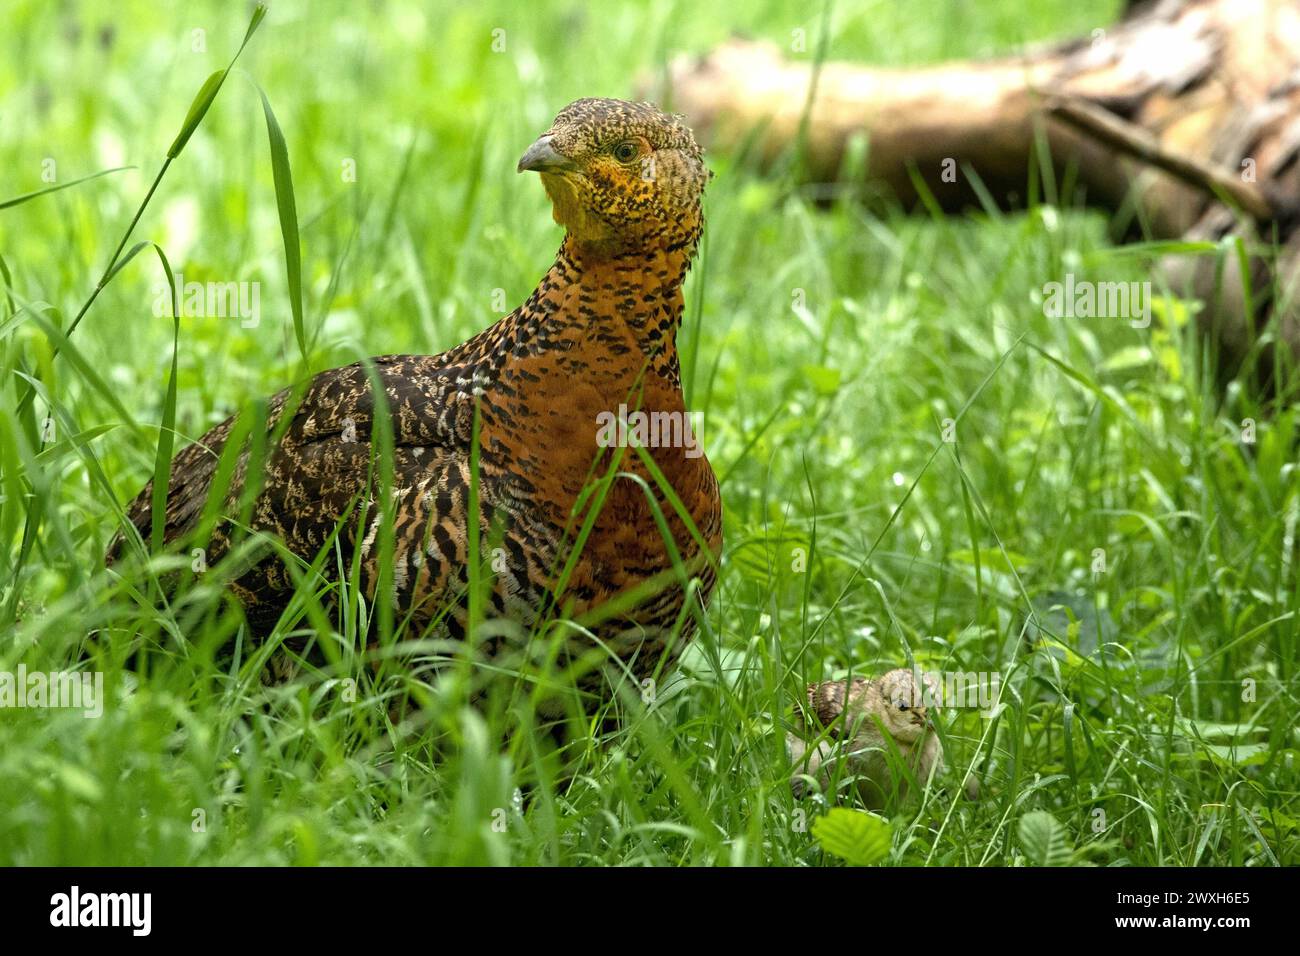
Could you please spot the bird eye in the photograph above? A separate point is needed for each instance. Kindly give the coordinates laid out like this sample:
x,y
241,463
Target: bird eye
x,y
628,151
902,704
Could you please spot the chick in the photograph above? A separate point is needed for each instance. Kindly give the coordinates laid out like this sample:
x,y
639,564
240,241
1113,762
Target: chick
x,y
845,738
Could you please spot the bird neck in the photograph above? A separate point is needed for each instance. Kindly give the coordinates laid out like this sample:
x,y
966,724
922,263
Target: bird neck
x,y
599,296
658,265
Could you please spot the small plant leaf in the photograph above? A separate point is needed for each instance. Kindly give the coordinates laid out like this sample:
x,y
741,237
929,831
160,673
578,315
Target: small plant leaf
x,y
198,109
1043,839
211,87
855,836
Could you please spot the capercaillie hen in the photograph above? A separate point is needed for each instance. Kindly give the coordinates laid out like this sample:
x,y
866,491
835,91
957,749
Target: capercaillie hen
x,y
599,332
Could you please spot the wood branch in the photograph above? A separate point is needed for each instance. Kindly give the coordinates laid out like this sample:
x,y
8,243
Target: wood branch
x,y
1132,140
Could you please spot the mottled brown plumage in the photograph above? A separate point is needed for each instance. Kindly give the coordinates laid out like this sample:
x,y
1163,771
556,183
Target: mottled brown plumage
x,y
840,735
600,329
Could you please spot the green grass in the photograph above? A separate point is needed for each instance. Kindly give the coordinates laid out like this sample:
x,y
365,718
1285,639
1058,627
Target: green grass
x,y
825,345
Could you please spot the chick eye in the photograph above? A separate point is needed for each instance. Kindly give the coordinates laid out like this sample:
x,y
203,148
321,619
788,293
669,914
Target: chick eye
x,y
901,704
628,151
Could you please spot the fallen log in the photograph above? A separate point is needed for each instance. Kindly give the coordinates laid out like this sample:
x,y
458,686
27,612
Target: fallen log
x,y
1182,120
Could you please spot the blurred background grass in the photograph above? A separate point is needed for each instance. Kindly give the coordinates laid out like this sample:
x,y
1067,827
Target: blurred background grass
x,y
825,345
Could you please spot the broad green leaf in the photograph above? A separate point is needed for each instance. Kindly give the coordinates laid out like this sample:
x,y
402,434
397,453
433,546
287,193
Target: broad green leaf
x,y
855,836
1238,755
1043,840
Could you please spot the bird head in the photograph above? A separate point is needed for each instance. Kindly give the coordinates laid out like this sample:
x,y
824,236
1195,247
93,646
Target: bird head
x,y
621,176
905,714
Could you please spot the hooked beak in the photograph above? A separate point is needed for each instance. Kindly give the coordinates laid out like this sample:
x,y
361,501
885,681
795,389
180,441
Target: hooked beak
x,y
541,157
